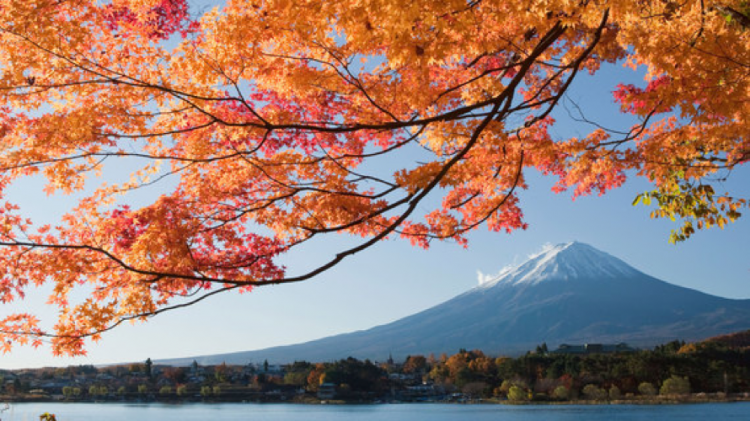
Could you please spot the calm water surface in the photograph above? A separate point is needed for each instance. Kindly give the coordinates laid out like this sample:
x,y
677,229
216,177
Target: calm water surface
x,y
393,412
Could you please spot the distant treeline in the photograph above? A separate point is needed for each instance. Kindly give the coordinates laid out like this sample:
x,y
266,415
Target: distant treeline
x,y
672,369
712,369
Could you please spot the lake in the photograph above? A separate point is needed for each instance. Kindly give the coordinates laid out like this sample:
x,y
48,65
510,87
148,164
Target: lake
x,y
390,412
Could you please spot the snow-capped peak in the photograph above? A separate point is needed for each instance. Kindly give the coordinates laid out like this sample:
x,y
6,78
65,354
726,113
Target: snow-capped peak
x,y
564,262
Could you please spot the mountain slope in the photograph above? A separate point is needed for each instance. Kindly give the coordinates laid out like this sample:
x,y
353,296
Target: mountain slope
x,y
738,340
571,293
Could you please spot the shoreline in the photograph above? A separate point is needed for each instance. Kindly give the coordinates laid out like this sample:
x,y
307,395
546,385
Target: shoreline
x,y
697,398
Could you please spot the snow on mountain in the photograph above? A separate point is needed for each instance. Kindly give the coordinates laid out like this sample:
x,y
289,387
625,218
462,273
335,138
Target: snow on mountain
x,y
565,262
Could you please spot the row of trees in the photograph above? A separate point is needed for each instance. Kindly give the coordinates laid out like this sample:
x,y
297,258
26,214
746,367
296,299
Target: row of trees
x,y
675,386
673,369
95,391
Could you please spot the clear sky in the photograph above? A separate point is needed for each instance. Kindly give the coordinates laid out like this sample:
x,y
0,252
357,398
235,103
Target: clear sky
x,y
393,280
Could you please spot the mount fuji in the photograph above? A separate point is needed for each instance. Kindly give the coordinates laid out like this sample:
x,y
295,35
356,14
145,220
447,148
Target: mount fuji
x,y
570,293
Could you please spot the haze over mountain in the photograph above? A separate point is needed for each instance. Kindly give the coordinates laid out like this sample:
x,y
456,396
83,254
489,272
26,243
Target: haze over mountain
x,y
570,293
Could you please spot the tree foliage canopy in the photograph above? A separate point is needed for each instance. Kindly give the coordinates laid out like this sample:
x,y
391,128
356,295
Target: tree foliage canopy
x,y
269,124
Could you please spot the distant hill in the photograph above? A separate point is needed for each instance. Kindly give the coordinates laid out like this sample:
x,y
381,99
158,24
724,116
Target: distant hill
x,y
571,293
733,340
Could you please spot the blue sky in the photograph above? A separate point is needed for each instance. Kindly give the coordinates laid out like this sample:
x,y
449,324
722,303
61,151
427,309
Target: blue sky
x,y
393,279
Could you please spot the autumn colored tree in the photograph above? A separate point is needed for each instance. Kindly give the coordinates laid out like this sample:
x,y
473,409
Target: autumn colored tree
x,y
264,126
517,394
206,391
316,376
675,385
175,375
594,392
415,364
561,393
646,389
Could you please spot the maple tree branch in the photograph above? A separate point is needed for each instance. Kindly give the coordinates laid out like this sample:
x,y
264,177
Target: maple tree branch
x,y
575,66
501,105
268,126
504,100
581,117
121,320
735,15
349,78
